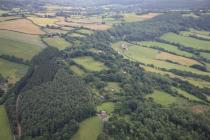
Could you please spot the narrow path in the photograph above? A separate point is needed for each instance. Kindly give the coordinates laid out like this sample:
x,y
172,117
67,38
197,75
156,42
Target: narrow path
x,y
17,117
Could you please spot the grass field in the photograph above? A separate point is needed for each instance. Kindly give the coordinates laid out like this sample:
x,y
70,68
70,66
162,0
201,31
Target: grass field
x,y
2,12
12,70
205,55
190,15
55,31
148,56
21,25
43,21
57,42
189,33
90,63
187,95
112,87
78,71
76,35
8,18
132,17
5,131
162,98
187,41
107,106
84,31
18,44
89,129
167,47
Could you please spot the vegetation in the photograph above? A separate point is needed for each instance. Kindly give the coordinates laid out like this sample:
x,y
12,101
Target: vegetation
x,y
57,42
107,106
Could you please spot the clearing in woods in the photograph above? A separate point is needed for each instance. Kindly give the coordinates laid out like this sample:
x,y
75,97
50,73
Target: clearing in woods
x,y
5,131
89,129
76,70
18,44
107,106
90,63
21,25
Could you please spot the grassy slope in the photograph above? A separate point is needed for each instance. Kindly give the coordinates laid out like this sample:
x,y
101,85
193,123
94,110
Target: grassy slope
x,y
5,132
90,63
112,87
89,129
187,41
20,45
187,95
77,70
57,42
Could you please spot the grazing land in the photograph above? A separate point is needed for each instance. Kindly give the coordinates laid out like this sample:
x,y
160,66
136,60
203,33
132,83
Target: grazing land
x,y
90,63
18,44
89,129
5,132
21,25
57,42
107,106
54,31
12,71
187,41
162,98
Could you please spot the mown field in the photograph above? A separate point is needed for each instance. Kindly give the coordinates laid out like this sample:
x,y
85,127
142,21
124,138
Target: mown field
x,y
89,129
90,63
57,42
20,45
21,25
5,131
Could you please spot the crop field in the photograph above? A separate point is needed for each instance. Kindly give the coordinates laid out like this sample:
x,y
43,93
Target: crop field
x,y
90,63
148,56
21,25
107,106
112,87
190,15
12,70
17,44
89,129
132,17
162,98
167,47
187,41
5,131
78,71
43,21
76,35
57,42
187,95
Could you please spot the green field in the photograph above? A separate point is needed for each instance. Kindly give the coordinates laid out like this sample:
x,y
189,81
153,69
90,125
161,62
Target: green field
x,y
107,106
190,33
90,63
78,71
187,41
85,31
12,70
148,56
19,44
89,129
2,12
205,55
5,132
162,98
57,42
187,95
167,47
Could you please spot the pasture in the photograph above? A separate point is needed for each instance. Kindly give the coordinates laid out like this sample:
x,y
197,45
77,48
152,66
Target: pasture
x,y
18,44
21,25
162,98
187,41
107,106
89,63
57,42
54,31
2,12
148,56
205,55
43,21
76,70
5,131
85,31
89,129
167,47
200,36
76,35
12,71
